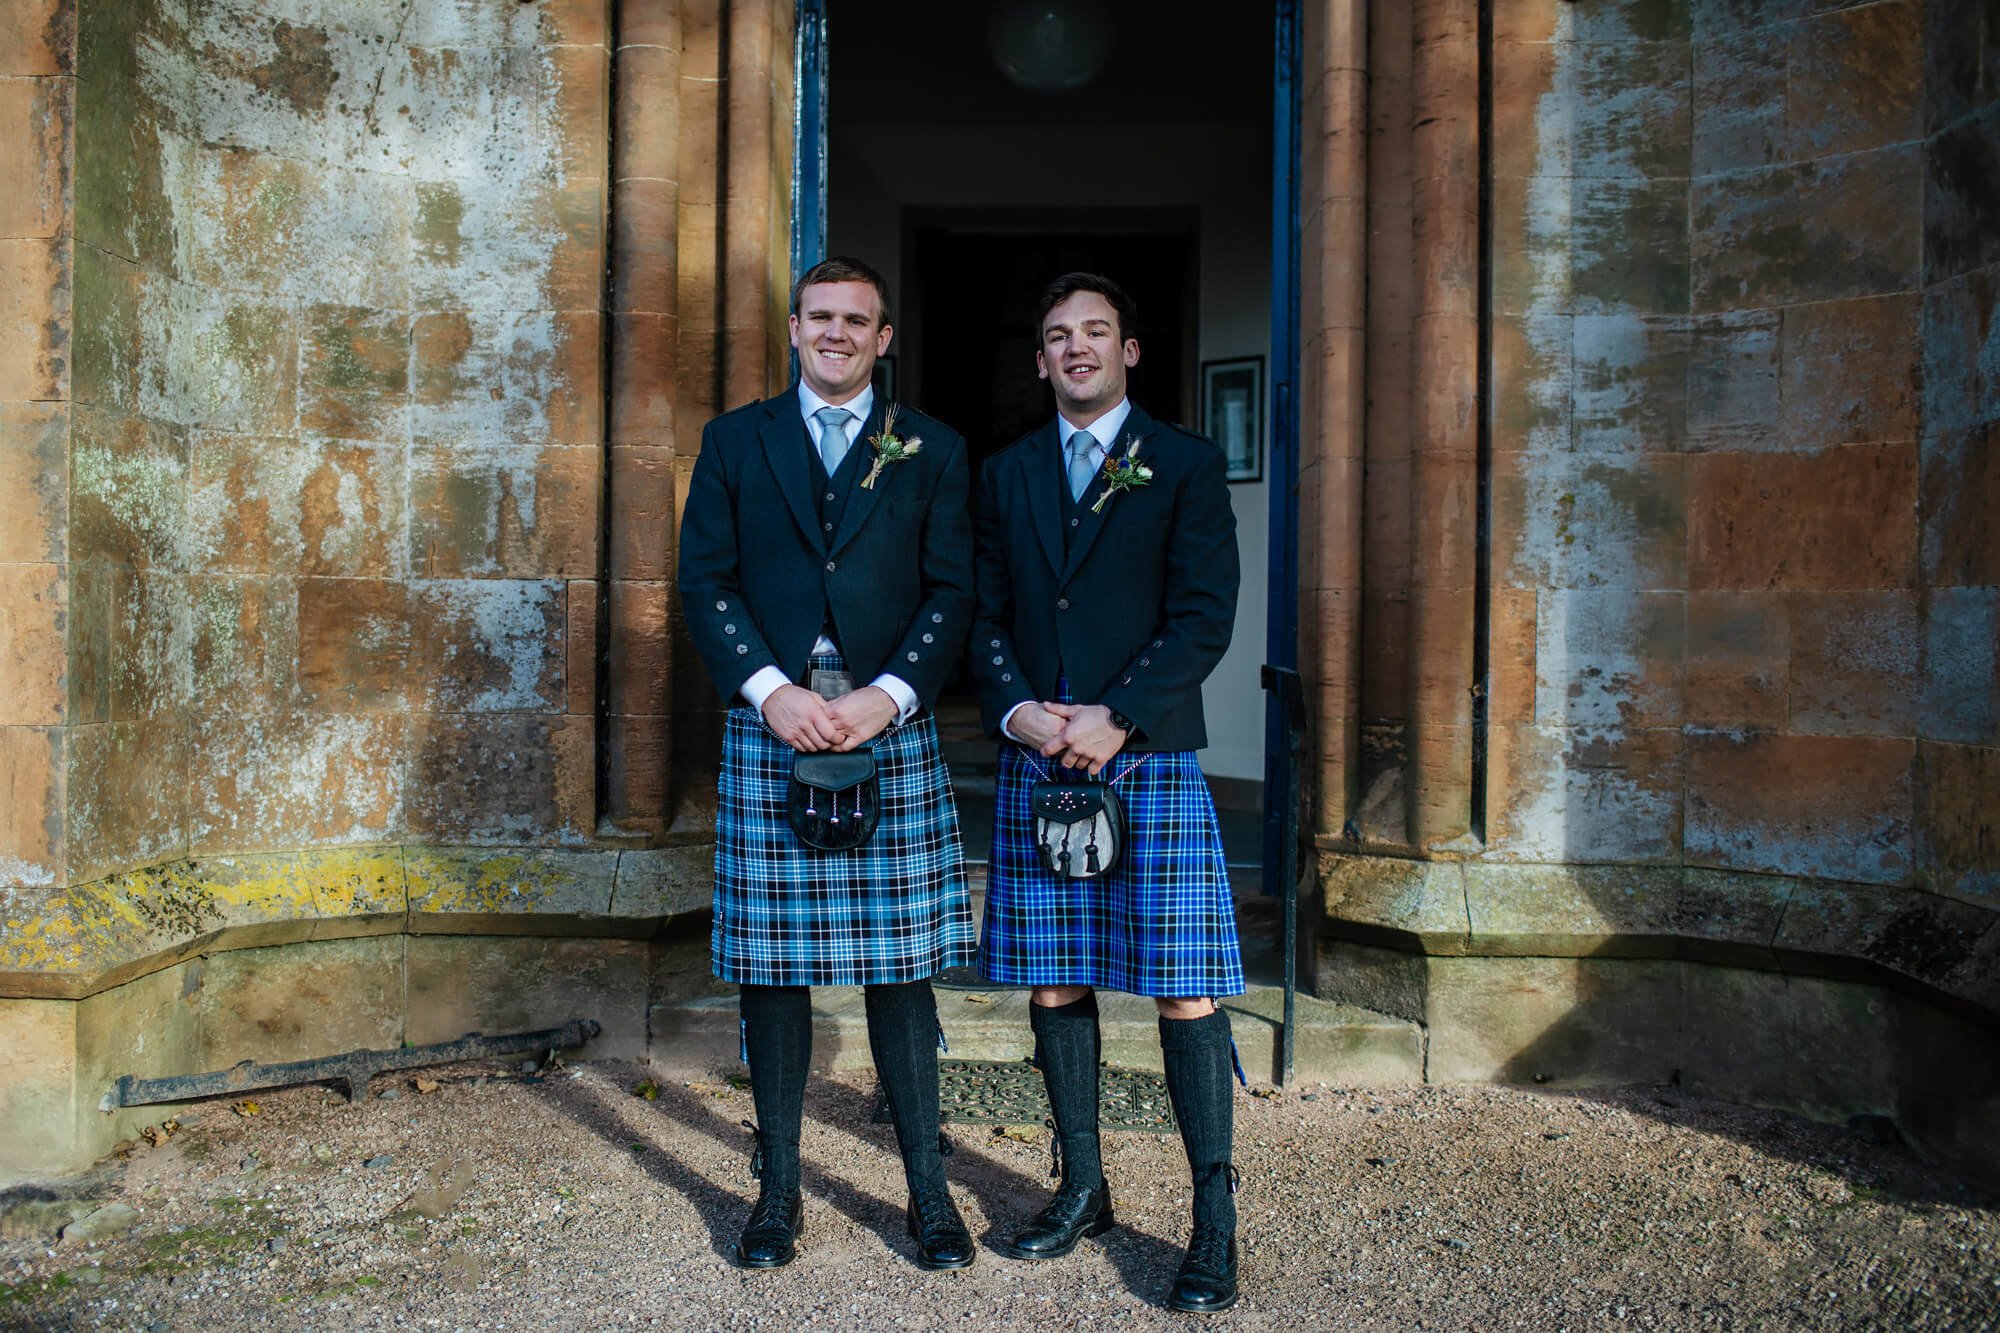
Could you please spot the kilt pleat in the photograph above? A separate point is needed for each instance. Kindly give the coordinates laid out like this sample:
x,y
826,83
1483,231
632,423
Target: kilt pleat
x,y
1162,924
893,910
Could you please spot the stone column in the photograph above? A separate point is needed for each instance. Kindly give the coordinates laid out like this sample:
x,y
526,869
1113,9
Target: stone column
x,y
1444,482
645,308
1333,315
746,209
37,109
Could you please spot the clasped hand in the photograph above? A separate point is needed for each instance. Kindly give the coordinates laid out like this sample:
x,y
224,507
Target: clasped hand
x,y
1080,735
805,721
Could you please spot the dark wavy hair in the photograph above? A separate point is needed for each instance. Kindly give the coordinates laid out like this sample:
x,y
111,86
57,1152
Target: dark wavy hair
x,y
1069,284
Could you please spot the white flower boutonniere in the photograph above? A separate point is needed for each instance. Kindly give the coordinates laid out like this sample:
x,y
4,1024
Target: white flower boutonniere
x,y
889,448
1124,473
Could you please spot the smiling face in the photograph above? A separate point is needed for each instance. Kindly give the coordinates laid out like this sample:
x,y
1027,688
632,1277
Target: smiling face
x,y
839,332
1084,357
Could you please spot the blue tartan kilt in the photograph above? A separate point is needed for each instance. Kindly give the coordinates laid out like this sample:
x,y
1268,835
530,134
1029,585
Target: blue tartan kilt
x,y
895,909
1162,924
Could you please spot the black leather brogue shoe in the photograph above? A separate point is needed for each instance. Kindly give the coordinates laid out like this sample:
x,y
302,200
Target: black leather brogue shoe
x,y
940,1233
770,1238
1074,1213
1207,1279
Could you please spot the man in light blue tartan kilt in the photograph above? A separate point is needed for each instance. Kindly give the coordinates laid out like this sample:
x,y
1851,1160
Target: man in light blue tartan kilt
x,y
1107,575
826,542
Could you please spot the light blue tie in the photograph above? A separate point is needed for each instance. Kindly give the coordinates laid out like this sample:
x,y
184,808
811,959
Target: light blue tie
x,y
832,436
1082,463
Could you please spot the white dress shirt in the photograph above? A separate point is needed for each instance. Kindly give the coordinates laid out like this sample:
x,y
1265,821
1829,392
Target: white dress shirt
x,y
766,681
1104,431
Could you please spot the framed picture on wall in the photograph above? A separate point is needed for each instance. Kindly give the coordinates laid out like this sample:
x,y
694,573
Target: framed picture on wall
x,y
1232,413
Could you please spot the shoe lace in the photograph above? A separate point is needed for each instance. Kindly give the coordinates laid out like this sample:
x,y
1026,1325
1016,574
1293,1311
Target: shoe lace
x,y
773,1208
1208,1249
933,1209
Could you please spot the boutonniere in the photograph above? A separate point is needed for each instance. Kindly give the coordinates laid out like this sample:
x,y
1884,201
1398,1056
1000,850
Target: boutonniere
x,y
1124,473
889,448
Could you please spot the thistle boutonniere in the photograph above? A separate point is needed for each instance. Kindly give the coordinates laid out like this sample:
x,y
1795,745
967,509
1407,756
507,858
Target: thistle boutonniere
x,y
1124,473
889,448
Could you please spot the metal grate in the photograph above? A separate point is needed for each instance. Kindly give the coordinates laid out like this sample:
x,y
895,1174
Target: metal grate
x,y
994,1092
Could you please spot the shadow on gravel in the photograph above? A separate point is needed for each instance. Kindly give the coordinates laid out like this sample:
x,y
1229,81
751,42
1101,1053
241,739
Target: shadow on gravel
x,y
1868,1152
1145,1263
722,1210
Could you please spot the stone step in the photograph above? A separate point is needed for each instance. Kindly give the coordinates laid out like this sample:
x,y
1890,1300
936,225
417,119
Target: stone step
x,y
1337,1044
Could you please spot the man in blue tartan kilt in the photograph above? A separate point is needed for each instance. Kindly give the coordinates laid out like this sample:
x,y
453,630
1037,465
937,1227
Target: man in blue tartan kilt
x,y
826,541
1107,576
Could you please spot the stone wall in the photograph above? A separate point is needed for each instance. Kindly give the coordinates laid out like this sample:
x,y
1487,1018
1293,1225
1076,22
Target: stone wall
x,y
1739,686
339,474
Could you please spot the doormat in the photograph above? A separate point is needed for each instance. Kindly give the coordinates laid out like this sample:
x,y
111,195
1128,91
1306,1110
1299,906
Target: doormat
x,y
1010,1092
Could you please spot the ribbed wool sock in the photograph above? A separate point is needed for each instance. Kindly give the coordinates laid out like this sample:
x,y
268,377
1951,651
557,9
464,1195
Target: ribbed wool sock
x,y
903,1036
777,1033
1066,1047
1196,1052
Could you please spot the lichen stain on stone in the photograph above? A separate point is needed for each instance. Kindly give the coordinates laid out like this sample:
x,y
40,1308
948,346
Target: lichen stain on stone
x,y
144,493
295,66
439,233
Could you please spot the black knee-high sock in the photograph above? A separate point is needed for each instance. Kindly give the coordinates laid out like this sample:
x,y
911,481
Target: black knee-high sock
x,y
1066,1047
1196,1054
903,1037
777,1034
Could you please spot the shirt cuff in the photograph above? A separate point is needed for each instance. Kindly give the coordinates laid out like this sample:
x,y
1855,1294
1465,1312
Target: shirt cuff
x,y
898,690
763,683
1007,722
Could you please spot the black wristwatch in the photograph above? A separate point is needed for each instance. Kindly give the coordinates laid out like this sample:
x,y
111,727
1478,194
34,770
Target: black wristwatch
x,y
1120,721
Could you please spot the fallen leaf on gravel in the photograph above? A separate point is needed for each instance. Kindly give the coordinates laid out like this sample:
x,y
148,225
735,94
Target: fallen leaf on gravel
x,y
648,1089
1018,1133
1268,1094
740,1082
247,1108
427,1086
979,999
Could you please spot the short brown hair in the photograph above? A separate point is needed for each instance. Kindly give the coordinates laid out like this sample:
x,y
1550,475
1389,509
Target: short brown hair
x,y
1069,284
840,268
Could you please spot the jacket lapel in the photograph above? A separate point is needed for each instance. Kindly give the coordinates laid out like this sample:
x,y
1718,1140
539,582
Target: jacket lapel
x,y
785,444
1138,426
861,502
1043,462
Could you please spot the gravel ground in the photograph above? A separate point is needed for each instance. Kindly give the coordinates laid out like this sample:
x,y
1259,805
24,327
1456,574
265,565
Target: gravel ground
x,y
499,1199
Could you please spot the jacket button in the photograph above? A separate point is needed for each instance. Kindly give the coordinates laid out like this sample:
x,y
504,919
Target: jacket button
x,y
910,656
1075,521
1126,681
729,629
1156,643
829,566
827,526
930,638
998,660
996,643
1145,661
722,606
742,649
937,617
1006,676
1062,603
829,497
